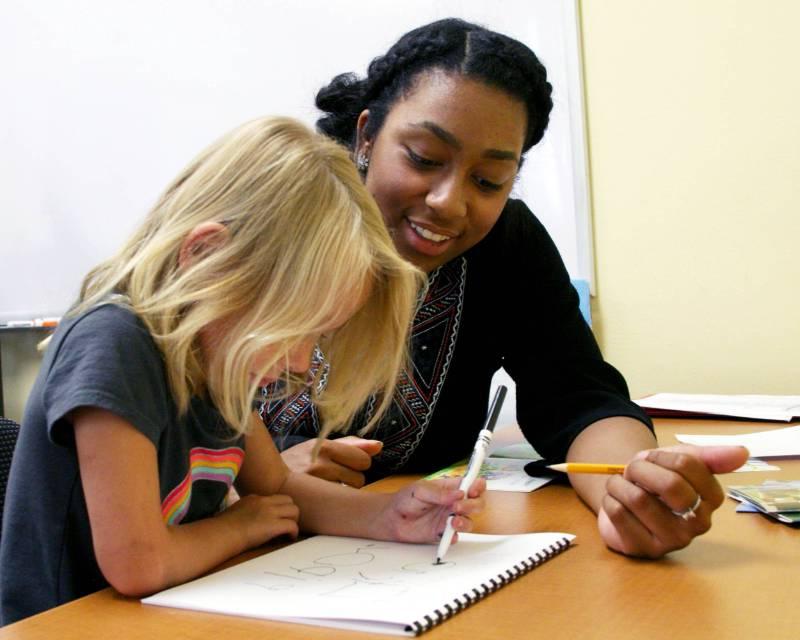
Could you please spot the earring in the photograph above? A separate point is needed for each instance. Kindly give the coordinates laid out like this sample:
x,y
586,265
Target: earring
x,y
362,163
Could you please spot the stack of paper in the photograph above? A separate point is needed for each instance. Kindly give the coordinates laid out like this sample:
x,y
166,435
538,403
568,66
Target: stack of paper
x,y
779,500
771,443
754,407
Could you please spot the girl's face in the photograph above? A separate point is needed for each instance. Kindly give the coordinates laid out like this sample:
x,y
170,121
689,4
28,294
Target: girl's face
x,y
443,164
298,358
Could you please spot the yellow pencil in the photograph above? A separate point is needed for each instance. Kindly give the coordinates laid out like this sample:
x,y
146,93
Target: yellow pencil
x,y
587,467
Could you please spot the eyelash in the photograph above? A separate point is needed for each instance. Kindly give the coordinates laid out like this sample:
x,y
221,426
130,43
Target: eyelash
x,y
487,186
420,161
425,163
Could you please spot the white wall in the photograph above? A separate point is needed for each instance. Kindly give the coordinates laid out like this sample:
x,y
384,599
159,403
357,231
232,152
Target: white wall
x,y
109,100
106,101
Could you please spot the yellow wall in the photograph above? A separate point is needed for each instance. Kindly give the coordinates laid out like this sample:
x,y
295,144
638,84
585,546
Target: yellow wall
x,y
693,110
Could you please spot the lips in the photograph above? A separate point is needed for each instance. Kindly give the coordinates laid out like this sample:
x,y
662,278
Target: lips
x,y
428,234
418,243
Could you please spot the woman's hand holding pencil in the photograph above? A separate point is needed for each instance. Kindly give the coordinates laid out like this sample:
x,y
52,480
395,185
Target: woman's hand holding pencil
x,y
663,498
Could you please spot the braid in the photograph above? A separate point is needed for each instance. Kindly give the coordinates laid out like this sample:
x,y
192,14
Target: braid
x,y
342,100
509,65
347,96
414,51
451,45
541,99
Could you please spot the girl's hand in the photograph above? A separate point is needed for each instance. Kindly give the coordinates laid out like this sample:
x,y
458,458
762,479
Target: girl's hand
x,y
419,512
650,510
261,518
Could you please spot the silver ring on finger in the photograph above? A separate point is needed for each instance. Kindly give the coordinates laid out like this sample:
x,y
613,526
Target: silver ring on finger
x,y
689,513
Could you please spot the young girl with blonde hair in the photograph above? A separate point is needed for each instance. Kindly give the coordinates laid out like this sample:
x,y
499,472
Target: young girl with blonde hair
x,y
266,246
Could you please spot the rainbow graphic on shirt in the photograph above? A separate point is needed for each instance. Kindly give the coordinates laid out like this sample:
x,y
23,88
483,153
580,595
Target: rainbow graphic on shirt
x,y
219,465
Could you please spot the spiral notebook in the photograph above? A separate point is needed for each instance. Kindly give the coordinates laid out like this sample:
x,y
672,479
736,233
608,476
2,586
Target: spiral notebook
x,y
367,585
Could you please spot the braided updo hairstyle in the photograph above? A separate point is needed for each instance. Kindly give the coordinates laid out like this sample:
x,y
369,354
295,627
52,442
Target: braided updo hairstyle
x,y
450,45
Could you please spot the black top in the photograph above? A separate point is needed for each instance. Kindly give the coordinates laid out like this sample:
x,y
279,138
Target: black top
x,y
104,358
506,302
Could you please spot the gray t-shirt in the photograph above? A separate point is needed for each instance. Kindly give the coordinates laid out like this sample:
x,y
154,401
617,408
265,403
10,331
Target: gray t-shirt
x,y
103,358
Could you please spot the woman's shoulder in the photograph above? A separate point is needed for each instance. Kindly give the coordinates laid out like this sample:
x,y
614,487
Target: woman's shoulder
x,y
516,234
517,222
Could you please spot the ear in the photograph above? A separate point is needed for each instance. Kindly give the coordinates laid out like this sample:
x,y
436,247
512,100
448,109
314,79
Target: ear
x,y
204,238
362,144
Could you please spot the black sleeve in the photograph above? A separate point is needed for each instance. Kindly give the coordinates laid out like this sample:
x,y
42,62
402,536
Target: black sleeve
x,y
563,382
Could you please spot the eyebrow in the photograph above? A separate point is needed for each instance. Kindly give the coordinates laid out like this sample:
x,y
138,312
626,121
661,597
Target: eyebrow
x,y
448,138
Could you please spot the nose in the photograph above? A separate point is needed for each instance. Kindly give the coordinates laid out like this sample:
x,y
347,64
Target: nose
x,y
447,197
300,356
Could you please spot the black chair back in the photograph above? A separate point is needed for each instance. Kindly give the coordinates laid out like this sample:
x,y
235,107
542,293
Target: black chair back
x,y
9,430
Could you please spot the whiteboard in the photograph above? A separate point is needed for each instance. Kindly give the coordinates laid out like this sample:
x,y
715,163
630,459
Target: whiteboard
x,y
106,100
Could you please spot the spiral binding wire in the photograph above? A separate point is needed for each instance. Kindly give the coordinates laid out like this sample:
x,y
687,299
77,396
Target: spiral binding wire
x,y
459,604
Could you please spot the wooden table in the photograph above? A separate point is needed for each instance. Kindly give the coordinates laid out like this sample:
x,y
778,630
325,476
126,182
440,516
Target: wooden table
x,y
740,580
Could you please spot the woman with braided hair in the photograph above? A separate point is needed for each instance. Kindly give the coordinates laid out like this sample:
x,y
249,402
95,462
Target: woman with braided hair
x,y
438,129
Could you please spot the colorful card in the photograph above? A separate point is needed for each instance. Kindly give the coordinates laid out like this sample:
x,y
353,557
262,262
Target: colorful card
x,y
781,500
501,474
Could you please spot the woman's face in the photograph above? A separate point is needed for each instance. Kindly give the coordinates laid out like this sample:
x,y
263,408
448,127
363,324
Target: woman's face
x,y
443,164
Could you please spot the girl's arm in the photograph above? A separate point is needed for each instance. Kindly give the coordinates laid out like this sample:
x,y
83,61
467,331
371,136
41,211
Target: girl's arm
x,y
136,551
416,513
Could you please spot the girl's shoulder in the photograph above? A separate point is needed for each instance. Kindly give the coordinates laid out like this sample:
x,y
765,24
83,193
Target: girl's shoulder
x,y
104,357
102,332
105,321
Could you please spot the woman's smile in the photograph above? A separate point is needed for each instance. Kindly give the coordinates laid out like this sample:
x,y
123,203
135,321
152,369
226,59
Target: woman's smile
x,y
443,164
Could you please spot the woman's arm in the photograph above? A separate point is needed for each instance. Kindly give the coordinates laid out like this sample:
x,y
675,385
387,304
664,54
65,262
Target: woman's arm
x,y
342,460
639,512
613,440
136,550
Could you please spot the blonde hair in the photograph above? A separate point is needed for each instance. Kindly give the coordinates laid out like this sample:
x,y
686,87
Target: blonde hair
x,y
301,236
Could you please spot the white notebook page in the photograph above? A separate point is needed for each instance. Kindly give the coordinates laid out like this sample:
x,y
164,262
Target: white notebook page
x,y
340,581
